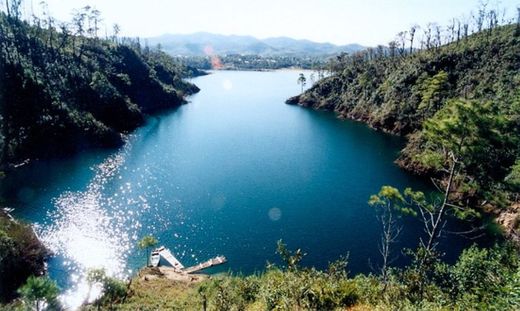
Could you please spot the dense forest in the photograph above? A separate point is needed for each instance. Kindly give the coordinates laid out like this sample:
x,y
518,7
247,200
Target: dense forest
x,y
456,98
64,89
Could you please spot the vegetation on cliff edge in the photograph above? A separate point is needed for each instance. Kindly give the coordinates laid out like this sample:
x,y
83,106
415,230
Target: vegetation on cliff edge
x,y
64,89
21,255
482,279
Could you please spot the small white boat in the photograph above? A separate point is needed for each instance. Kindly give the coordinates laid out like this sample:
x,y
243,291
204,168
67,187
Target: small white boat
x,y
155,257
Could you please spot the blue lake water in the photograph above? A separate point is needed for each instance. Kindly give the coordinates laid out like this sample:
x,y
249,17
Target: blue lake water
x,y
229,173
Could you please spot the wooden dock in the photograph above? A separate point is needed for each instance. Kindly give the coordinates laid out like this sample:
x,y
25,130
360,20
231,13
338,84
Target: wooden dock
x,y
207,264
178,267
168,256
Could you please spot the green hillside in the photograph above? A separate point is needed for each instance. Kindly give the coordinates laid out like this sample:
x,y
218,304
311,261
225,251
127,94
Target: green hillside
x,y
64,90
470,85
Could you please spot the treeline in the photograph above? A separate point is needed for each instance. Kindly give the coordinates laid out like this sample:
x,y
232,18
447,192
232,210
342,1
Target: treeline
x,y
253,62
64,89
432,36
463,81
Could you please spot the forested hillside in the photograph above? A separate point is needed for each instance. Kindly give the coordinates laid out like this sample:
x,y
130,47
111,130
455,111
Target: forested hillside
x,y
457,99
64,89
395,90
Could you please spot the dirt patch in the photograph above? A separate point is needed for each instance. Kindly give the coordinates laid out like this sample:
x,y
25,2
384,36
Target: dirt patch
x,y
509,219
172,274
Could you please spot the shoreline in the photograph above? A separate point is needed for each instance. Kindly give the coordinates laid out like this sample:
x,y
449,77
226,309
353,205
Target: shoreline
x,y
506,219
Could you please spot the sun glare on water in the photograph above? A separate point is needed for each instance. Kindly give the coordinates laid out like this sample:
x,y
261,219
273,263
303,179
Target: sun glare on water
x,y
87,236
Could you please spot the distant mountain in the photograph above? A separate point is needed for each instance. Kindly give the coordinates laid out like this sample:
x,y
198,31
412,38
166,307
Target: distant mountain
x,y
202,43
293,46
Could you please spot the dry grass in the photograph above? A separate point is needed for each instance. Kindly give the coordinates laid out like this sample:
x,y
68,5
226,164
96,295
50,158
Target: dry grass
x,y
151,290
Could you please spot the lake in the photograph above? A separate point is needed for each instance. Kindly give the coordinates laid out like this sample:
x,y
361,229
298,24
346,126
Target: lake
x,y
230,173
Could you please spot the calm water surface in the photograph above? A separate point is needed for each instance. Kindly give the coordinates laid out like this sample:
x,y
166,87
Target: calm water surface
x,y
230,173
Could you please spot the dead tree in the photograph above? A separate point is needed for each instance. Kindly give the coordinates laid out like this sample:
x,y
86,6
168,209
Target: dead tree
x,y
413,29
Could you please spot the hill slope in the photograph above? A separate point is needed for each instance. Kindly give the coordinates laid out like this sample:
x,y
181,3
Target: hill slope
x,y
61,93
474,81
202,43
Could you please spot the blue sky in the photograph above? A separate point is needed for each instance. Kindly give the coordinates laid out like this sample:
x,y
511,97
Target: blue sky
x,y
368,22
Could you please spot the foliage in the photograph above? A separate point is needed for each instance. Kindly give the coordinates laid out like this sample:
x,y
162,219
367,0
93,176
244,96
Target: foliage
x,y
21,255
389,204
477,134
113,290
390,196
275,289
481,279
146,243
302,80
64,91
291,259
433,91
464,91
513,179
40,293
480,274
254,62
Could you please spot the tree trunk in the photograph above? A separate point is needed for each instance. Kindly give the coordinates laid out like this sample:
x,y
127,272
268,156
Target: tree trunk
x,y
439,218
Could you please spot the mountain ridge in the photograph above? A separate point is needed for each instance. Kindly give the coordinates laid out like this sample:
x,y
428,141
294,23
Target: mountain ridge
x,y
198,43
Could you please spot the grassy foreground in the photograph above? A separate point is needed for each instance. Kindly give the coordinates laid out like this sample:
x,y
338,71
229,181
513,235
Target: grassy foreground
x,y
482,279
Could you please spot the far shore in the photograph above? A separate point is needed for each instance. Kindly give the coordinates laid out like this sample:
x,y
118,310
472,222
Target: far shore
x,y
291,69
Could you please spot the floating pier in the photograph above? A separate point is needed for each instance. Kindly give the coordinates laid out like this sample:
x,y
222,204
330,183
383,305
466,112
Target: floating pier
x,y
178,267
210,263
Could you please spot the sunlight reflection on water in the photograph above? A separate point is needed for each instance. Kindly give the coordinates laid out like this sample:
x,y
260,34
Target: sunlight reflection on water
x,y
87,236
